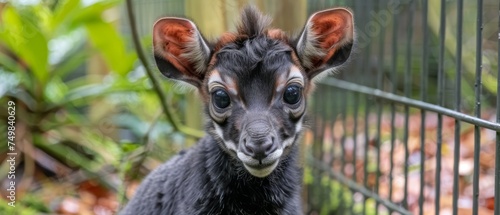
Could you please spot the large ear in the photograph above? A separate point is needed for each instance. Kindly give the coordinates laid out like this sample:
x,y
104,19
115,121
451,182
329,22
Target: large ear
x,y
326,40
180,51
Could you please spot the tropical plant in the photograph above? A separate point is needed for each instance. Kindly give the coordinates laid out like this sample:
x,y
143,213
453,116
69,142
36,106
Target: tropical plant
x,y
85,111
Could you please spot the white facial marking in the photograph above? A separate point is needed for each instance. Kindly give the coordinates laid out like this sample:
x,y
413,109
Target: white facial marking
x,y
229,144
269,159
296,75
298,126
231,86
281,83
214,80
261,173
288,142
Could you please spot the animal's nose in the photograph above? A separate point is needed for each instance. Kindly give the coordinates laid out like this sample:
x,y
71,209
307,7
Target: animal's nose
x,y
258,138
259,148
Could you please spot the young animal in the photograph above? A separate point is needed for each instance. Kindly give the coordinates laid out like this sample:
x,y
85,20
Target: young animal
x,y
254,84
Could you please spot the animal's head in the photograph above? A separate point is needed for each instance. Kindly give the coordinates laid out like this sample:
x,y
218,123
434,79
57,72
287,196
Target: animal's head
x,y
254,82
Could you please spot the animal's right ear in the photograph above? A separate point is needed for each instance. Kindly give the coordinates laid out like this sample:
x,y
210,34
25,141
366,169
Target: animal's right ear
x,y
180,51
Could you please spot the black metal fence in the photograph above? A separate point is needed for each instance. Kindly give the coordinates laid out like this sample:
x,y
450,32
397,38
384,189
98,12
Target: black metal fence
x,y
413,124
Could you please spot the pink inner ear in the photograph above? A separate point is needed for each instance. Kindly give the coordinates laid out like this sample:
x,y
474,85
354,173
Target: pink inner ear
x,y
170,39
333,28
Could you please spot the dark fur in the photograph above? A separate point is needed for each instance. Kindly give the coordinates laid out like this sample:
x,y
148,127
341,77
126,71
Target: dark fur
x,y
253,23
206,180
255,63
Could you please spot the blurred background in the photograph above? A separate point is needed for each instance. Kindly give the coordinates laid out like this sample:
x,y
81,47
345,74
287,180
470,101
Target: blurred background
x,y
93,115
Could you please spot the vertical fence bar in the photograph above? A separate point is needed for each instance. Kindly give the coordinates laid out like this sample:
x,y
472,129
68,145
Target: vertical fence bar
x,y
442,35
334,114
333,160
408,88
458,100
343,111
329,115
367,148
381,48
330,118
380,72
312,189
497,153
357,73
367,51
355,144
377,144
355,136
423,97
394,61
477,134
380,82
315,193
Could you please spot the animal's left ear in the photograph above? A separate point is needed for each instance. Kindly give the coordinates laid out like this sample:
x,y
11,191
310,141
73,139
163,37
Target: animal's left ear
x,y
326,40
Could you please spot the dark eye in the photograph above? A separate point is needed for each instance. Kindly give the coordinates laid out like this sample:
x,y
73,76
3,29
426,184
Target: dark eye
x,y
221,99
292,94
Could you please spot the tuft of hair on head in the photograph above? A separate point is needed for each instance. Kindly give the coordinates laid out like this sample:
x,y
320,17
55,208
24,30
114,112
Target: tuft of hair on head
x,y
253,22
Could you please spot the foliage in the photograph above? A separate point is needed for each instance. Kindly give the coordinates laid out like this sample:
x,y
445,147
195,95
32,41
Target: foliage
x,y
83,107
21,210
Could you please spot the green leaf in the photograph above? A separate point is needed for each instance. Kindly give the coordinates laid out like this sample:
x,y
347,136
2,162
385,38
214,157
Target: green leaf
x,y
25,97
111,45
68,155
93,12
41,15
87,91
90,91
127,147
10,64
74,60
63,12
56,90
26,40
